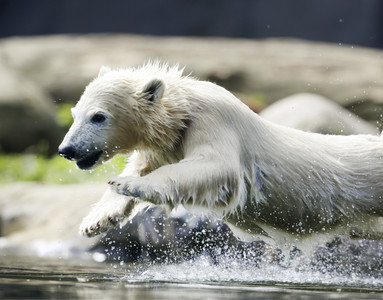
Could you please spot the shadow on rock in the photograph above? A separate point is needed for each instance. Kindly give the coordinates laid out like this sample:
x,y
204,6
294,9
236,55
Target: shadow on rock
x,y
350,257
152,236
155,238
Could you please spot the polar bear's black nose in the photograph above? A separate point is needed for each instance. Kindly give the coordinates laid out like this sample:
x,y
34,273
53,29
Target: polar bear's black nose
x,y
67,152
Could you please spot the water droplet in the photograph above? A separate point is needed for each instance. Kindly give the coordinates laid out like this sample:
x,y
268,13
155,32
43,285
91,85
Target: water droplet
x,y
99,257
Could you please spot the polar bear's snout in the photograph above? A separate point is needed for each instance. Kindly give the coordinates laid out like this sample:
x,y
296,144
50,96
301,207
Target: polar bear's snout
x,y
85,144
84,159
67,152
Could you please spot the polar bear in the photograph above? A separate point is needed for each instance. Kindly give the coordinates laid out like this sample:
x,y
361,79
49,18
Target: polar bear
x,y
193,143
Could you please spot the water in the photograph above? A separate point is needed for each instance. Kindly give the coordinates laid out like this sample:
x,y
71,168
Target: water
x,y
42,278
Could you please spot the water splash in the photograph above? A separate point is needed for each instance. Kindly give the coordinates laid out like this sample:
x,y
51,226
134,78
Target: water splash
x,y
203,270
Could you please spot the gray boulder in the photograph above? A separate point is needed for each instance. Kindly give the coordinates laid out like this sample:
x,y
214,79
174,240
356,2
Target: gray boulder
x,y
314,113
43,220
27,118
351,76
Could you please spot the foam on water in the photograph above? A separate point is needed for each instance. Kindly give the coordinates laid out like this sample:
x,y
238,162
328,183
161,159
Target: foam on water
x,y
290,272
203,270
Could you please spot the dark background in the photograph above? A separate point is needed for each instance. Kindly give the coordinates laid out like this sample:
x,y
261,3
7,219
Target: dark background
x,y
354,22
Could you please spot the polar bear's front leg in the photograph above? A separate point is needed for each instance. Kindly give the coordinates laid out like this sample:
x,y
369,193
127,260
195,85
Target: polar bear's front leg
x,y
109,212
136,187
113,208
201,182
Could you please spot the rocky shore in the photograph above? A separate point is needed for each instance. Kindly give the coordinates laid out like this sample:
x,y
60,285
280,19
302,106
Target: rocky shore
x,y
43,219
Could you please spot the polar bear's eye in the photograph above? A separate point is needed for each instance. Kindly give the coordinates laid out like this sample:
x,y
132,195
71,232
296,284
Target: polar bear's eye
x,y
98,118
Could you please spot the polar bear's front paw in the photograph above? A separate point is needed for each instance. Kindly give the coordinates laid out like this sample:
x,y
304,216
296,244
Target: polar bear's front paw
x,y
106,215
126,186
91,226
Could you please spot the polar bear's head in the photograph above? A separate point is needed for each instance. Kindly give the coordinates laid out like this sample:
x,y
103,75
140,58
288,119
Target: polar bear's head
x,y
110,117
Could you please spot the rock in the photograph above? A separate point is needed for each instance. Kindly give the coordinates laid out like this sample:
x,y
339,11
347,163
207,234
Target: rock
x,y
26,115
153,235
350,257
314,113
41,219
351,76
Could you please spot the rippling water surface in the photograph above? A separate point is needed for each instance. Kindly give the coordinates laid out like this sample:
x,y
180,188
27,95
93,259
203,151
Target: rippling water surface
x,y
38,278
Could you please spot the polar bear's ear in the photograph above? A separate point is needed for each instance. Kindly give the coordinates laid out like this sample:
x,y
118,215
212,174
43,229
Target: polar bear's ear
x,y
153,90
103,70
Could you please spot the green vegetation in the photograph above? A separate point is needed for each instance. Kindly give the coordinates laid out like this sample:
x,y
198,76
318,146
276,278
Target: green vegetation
x,y
64,115
53,170
40,168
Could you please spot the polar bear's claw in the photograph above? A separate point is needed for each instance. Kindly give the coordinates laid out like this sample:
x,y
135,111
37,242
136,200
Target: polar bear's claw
x,y
124,186
99,226
113,182
106,214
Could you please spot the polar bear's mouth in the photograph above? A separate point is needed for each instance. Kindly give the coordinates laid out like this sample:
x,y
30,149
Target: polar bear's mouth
x,y
89,161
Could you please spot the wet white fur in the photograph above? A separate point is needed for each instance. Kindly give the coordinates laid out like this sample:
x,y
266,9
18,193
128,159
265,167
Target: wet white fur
x,y
198,145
